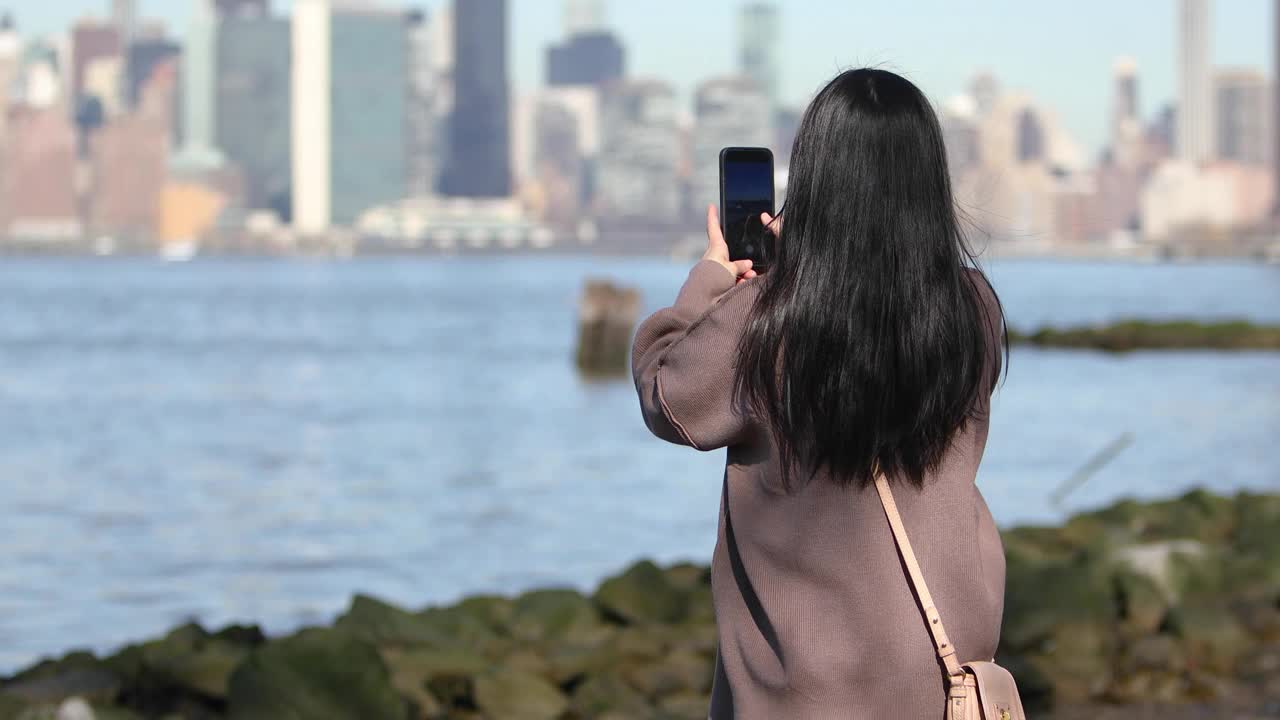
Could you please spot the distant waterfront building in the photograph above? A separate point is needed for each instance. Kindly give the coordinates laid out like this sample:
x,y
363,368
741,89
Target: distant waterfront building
x,y
640,151
728,111
1031,140
758,47
90,40
253,122
143,57
1126,116
231,8
124,15
425,106
350,94
960,134
103,81
129,163
37,179
198,147
583,16
1242,101
556,141
479,163
985,90
10,66
588,58
1195,106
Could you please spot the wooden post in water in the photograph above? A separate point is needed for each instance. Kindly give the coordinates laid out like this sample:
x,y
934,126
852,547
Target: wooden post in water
x,y
606,316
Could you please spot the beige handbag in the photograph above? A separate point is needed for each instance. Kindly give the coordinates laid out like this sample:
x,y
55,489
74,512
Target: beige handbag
x,y
980,690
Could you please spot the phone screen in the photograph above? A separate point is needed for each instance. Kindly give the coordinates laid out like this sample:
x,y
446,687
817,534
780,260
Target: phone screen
x,y
748,191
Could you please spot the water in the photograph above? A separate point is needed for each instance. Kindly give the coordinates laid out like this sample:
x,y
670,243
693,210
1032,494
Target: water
x,y
256,440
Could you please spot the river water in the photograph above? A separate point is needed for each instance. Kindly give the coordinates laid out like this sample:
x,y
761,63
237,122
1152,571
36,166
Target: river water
x,y
255,440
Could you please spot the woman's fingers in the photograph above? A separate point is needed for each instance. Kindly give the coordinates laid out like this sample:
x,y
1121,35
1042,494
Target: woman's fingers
x,y
715,238
741,267
773,223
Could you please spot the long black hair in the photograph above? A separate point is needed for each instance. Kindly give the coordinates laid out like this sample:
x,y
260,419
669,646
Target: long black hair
x,y
867,343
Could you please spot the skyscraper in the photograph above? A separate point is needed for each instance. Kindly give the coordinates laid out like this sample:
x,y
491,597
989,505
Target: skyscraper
x,y
124,15
199,151
350,89
758,47
479,163
1242,121
1126,121
425,102
639,151
589,58
729,111
1195,106
583,16
254,61
90,40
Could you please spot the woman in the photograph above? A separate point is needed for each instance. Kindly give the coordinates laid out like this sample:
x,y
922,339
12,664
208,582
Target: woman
x,y
871,342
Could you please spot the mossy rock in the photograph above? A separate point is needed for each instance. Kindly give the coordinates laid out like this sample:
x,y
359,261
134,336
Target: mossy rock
x,y
684,706
688,576
1041,597
1214,639
382,623
493,610
1142,602
1077,658
642,594
559,614
314,675
603,693
448,675
457,626
77,674
679,672
11,706
518,695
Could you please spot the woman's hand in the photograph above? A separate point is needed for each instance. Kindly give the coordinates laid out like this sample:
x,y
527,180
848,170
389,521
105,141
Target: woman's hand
x,y
718,249
774,224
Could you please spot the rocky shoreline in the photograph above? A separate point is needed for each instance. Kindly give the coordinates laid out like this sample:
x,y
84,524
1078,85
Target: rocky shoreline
x,y
1129,335
1165,609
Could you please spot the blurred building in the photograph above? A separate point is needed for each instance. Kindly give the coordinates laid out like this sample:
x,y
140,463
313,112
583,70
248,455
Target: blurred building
x,y
1195,105
758,47
639,151
124,15
587,58
426,106
10,67
985,90
104,81
1242,123
39,82
479,155
556,141
251,105
1126,116
350,96
129,162
143,56
198,140
728,111
959,121
90,40
231,8
38,176
1030,140
1185,199
583,16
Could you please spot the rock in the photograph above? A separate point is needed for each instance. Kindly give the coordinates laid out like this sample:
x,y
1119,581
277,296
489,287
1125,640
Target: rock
x,y
604,693
1078,659
493,610
75,709
688,576
560,614
1142,604
78,673
518,695
381,623
314,675
1169,563
1213,638
447,675
458,627
642,594
1158,653
685,706
680,671
1041,597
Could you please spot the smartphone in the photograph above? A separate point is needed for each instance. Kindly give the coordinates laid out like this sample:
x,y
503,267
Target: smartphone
x,y
746,190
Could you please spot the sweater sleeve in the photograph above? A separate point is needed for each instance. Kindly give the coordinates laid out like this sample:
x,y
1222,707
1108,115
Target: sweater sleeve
x,y
683,357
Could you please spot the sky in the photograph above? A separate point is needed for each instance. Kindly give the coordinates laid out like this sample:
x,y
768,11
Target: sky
x,y
1060,53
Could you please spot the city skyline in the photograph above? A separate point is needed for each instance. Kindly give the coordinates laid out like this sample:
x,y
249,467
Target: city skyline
x,y
1067,71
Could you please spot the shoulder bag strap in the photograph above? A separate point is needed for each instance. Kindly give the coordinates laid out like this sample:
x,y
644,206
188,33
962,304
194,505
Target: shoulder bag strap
x,y
946,651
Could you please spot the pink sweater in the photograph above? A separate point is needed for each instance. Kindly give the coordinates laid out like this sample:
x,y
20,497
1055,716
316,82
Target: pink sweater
x,y
814,612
